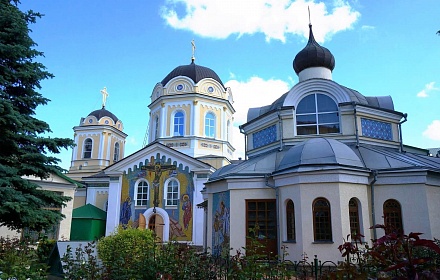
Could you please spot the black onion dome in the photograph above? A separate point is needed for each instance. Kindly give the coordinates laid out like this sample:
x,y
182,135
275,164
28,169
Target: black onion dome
x,y
313,55
98,114
194,72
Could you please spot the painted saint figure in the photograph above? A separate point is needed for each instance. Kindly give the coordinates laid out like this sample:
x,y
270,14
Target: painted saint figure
x,y
125,212
187,210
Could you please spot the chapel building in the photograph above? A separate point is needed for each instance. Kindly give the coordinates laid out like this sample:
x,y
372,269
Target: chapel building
x,y
323,162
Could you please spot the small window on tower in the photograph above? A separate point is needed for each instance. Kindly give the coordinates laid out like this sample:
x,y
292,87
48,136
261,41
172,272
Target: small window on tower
x,y
87,148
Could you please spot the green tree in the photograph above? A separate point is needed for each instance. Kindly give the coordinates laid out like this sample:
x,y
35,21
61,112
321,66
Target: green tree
x,y
25,148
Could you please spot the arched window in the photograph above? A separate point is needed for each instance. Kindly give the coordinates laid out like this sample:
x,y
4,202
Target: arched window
x,y
179,124
172,193
322,226
141,193
156,127
116,154
210,125
392,214
353,213
290,219
317,114
87,151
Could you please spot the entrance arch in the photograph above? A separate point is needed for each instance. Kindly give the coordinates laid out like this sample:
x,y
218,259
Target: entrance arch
x,y
161,221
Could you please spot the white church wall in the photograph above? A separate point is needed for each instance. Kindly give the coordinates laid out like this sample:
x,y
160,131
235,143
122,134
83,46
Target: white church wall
x,y
414,206
433,197
238,197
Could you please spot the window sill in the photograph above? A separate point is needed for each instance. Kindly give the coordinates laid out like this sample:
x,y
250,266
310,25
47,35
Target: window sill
x,y
323,242
290,241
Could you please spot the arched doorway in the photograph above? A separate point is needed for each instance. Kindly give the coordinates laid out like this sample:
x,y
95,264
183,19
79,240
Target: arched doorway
x,y
156,224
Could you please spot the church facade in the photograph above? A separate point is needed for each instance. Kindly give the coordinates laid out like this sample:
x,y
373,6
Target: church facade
x,y
159,186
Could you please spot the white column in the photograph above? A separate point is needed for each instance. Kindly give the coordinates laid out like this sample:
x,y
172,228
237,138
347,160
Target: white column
x,y
114,204
195,118
163,118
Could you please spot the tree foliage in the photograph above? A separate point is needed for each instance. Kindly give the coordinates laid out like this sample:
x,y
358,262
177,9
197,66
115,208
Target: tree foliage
x,y
25,149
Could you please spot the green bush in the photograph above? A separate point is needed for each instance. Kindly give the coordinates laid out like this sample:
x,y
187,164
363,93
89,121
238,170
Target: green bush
x,y
128,254
20,261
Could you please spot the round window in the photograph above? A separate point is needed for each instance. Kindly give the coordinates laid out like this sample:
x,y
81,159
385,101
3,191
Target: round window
x,y
90,120
179,87
211,89
106,121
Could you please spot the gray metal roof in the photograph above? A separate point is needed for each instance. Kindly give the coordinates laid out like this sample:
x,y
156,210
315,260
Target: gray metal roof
x,y
317,153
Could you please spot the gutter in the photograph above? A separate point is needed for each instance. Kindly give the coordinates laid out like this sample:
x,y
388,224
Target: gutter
x,y
272,186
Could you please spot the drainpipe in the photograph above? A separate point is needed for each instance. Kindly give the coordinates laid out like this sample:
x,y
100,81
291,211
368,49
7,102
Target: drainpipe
x,y
272,186
373,215
400,132
280,124
356,126
245,142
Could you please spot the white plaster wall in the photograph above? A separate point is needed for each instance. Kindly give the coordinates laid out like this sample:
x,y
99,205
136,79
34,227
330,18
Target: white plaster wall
x,y
114,202
433,196
414,204
338,194
315,72
238,208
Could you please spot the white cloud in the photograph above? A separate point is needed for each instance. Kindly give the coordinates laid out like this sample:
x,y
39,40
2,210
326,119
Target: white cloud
x,y
429,87
433,130
274,18
252,93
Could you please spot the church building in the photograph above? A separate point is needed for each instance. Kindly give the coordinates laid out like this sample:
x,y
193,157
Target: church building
x,y
323,162
159,186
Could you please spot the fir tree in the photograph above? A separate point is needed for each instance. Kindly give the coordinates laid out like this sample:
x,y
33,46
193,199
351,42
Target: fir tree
x,y
25,148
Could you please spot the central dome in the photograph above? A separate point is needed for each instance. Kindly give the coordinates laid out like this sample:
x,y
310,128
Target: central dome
x,y
194,72
313,55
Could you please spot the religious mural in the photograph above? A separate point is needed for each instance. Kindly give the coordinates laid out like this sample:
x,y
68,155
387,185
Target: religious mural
x,y
221,222
158,171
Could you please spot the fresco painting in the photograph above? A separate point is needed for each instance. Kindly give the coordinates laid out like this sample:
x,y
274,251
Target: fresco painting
x,y
221,223
156,171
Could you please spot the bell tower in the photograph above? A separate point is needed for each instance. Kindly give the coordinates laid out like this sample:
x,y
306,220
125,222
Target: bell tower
x,y
100,142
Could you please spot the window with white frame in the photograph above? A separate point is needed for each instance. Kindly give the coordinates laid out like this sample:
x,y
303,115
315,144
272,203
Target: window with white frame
x,y
141,193
317,114
87,151
179,123
210,125
116,152
172,192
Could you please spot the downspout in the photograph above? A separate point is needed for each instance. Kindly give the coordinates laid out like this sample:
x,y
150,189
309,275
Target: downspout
x,y
356,126
272,186
400,131
245,141
373,215
280,124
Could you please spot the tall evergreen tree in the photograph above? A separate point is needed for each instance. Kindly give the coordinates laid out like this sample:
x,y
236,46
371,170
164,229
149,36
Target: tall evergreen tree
x,y
25,148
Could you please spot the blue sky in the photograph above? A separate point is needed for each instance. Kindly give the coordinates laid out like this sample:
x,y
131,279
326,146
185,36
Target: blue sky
x,y
380,47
